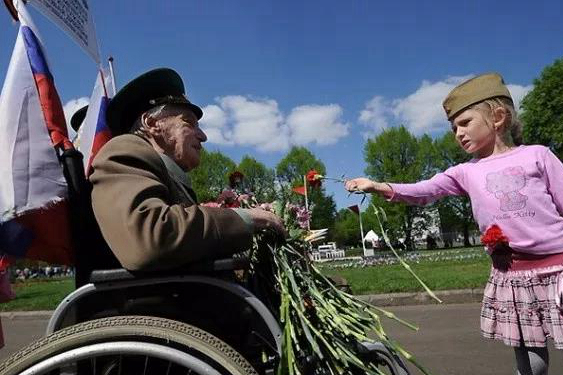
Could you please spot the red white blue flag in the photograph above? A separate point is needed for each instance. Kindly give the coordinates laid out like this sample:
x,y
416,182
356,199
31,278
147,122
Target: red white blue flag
x,y
94,132
33,191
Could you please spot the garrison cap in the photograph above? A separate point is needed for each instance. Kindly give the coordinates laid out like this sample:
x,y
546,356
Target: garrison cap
x,y
474,90
151,89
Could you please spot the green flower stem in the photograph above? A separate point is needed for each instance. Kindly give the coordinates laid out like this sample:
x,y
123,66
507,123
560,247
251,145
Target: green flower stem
x,y
403,263
319,319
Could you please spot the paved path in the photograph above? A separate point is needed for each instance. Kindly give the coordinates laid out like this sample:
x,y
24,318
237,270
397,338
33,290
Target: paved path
x,y
19,332
448,342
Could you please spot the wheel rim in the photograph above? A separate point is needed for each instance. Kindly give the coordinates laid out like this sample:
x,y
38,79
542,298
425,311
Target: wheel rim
x,y
121,348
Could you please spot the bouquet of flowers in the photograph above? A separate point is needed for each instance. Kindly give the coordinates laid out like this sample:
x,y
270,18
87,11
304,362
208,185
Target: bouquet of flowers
x,y
322,325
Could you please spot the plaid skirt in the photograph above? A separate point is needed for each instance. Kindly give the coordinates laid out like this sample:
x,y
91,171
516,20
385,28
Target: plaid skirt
x,y
519,307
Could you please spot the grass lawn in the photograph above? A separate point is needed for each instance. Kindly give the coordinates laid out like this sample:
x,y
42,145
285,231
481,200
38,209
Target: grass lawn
x,y
438,275
38,295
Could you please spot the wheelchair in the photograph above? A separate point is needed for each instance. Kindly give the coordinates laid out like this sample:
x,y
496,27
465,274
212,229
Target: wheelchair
x,y
201,319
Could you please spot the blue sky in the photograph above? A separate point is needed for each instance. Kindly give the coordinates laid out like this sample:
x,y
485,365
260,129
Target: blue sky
x,y
322,74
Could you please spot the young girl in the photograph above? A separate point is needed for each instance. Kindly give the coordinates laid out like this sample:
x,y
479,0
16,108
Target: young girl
x,y
518,188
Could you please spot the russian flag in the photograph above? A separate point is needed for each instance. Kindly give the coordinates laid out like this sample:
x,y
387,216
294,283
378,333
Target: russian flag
x,y
33,192
94,131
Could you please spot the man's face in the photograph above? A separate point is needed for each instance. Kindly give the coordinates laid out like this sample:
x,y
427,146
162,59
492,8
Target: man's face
x,y
181,137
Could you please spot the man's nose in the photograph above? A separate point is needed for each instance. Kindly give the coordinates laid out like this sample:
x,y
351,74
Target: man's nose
x,y
201,136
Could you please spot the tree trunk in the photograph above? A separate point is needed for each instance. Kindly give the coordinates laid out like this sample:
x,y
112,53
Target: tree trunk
x,y
466,241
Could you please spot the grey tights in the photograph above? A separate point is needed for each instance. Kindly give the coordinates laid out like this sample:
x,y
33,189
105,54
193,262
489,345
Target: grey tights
x,y
531,361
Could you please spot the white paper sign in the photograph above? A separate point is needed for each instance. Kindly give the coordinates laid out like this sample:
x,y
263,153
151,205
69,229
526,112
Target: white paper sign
x,y
73,17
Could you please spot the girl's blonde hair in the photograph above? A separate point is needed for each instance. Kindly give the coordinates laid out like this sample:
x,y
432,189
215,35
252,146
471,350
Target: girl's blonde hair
x,y
512,125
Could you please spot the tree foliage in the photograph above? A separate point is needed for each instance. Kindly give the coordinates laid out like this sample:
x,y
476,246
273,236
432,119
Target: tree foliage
x,y
346,228
396,155
298,161
211,177
290,171
542,109
258,179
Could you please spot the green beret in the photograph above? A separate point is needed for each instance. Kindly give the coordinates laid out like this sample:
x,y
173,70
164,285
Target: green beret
x,y
474,90
151,89
78,117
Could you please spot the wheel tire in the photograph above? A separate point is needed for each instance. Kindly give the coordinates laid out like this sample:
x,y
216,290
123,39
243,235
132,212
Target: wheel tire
x,y
133,328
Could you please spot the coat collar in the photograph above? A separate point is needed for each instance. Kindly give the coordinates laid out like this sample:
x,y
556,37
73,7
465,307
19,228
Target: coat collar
x,y
178,175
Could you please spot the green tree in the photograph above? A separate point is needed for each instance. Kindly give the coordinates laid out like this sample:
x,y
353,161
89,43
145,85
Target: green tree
x,y
298,161
346,228
324,211
290,171
396,155
455,212
211,177
542,109
259,179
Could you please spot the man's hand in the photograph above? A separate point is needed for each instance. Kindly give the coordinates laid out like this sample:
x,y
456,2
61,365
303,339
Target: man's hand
x,y
262,219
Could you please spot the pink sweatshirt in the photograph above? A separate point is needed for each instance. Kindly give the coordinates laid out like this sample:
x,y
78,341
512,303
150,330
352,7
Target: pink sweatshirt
x,y
520,190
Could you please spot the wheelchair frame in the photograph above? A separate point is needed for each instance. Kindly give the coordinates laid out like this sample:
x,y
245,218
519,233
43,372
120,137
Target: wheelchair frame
x,y
103,282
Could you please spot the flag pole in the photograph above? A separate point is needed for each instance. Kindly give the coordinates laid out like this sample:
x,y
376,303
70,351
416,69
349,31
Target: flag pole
x,y
306,202
111,72
11,9
103,81
362,230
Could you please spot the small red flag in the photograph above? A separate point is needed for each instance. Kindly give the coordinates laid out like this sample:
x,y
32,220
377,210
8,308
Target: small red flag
x,y
299,190
355,209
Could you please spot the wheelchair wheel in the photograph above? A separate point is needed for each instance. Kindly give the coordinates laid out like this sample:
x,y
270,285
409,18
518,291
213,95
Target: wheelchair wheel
x,y
388,364
128,345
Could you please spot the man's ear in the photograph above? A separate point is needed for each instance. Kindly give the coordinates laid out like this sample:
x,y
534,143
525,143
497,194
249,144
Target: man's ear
x,y
150,124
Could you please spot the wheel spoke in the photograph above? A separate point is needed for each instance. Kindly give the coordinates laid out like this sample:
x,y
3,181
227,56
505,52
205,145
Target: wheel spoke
x,y
146,362
117,356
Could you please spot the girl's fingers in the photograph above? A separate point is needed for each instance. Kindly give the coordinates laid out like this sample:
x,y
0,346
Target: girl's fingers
x,y
351,185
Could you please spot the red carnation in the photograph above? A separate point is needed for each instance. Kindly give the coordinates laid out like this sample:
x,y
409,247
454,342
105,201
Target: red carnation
x,y
493,238
235,179
314,178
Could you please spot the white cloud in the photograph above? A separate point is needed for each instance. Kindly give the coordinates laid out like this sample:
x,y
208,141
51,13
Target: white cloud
x,y
72,106
375,115
421,112
215,120
256,122
518,93
214,116
317,123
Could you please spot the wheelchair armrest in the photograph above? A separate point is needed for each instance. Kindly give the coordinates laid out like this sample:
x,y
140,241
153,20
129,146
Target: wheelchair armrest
x,y
121,274
118,274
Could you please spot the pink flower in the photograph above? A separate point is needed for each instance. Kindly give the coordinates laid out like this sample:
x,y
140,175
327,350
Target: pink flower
x,y
243,198
210,204
267,207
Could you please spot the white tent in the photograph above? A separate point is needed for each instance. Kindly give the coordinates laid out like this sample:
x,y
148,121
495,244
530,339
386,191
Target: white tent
x,y
371,237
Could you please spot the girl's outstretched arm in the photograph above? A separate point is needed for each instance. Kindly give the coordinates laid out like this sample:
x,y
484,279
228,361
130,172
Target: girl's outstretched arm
x,y
368,186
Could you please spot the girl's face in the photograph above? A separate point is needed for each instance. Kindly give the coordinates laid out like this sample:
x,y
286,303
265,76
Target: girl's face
x,y
474,133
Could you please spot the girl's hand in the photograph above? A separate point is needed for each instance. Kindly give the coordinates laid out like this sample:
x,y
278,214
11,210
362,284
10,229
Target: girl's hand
x,y
360,184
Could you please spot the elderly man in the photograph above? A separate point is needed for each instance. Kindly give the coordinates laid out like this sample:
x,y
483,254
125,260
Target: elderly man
x,y
142,199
